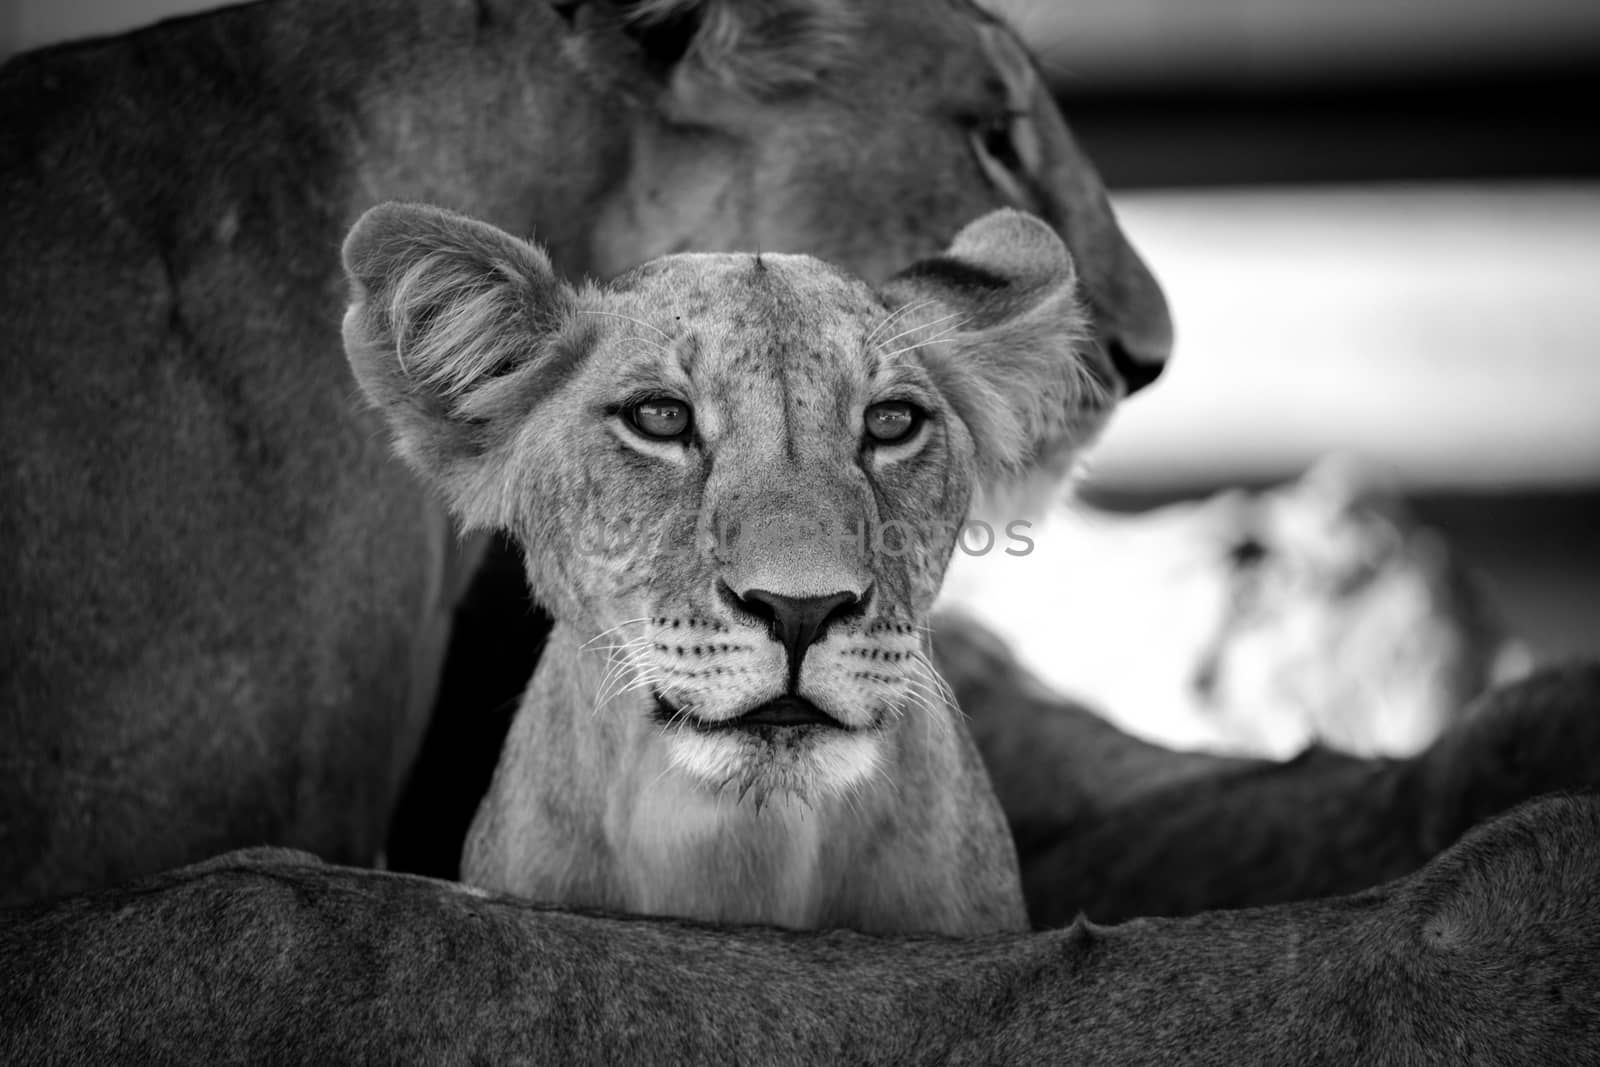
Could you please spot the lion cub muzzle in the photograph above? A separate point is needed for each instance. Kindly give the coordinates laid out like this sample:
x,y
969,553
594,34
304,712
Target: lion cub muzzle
x,y
791,705
795,622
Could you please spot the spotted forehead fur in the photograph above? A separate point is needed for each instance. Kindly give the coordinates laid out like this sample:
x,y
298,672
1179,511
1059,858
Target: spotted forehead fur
x,y
752,315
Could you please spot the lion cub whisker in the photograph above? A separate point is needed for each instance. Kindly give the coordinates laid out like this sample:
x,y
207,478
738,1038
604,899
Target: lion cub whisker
x,y
937,339
623,675
636,321
924,326
641,678
931,703
902,310
929,673
613,629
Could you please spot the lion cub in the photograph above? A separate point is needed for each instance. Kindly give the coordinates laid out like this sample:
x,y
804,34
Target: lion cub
x,y
738,480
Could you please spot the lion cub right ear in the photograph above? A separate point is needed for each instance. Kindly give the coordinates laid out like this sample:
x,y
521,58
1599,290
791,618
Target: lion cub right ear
x,y
1012,348
447,322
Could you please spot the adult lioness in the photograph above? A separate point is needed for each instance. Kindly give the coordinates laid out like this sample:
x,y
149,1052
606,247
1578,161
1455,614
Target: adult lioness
x,y
212,565
796,454
1484,957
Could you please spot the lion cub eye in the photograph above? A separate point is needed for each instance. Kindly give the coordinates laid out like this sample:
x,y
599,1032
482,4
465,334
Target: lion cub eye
x,y
892,421
661,417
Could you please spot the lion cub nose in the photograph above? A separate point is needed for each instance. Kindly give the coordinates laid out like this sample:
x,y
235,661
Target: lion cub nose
x,y
797,622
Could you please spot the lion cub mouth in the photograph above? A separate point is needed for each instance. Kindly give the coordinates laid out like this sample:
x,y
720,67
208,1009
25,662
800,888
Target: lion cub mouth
x,y
786,712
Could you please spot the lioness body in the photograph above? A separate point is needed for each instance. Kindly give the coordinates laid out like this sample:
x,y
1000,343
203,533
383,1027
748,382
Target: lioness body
x,y
223,604
1484,957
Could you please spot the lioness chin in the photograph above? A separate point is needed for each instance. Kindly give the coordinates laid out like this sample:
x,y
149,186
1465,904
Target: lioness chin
x,y
737,480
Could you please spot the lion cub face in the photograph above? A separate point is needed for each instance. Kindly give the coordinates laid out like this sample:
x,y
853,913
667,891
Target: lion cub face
x,y
738,479
771,484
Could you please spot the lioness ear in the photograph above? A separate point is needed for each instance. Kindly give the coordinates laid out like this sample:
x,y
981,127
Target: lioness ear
x,y
715,52
1008,342
448,318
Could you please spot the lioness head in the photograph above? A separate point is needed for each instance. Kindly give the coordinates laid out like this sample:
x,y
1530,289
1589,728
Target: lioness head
x,y
866,133
741,476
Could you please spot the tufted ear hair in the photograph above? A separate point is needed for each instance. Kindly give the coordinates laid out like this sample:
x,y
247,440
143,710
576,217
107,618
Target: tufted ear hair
x,y
451,322
999,325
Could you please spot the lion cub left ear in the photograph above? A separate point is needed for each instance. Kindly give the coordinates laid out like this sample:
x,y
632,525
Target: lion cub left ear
x,y
449,321
1008,341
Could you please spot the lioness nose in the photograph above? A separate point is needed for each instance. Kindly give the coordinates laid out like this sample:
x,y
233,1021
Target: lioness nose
x,y
797,622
